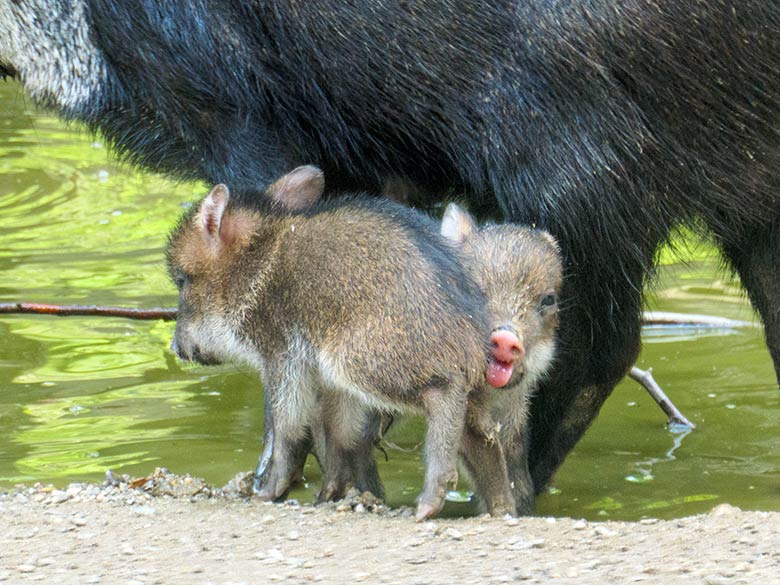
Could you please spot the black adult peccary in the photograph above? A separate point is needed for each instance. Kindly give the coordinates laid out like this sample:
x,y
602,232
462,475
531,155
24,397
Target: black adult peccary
x,y
606,122
351,305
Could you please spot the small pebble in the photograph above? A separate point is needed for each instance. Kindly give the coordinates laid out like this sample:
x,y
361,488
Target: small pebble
x,y
725,510
144,510
453,533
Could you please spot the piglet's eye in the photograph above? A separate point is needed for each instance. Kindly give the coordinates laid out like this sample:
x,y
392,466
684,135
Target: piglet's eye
x,y
181,280
548,302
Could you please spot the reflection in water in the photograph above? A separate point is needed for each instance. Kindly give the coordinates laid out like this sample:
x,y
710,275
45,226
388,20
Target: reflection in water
x,y
80,395
644,469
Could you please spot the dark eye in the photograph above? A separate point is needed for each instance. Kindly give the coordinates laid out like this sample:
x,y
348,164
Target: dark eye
x,y
181,279
548,302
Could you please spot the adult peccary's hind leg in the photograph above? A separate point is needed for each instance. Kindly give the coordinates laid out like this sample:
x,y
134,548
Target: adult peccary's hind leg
x,y
363,463
595,361
756,258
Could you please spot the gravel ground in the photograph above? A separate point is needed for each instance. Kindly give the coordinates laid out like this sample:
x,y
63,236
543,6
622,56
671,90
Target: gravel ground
x,y
171,529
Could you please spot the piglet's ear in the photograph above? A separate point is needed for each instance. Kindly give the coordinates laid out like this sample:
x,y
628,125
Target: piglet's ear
x,y
457,225
299,189
212,211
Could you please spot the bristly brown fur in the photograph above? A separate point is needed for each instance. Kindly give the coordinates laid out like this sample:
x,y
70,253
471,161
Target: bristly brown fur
x,y
355,301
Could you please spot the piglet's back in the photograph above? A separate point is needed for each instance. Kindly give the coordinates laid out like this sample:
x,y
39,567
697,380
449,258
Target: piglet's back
x,y
379,293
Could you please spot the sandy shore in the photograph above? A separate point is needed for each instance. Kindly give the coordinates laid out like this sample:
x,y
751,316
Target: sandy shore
x,y
175,529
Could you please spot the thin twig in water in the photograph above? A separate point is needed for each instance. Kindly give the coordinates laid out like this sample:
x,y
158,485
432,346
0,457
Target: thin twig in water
x,y
645,378
166,314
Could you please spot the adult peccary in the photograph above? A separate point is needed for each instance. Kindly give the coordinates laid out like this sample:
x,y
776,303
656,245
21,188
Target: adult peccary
x,y
346,306
606,122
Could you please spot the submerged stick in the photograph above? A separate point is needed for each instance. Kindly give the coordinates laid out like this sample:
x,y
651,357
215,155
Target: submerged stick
x,y
645,378
692,320
165,314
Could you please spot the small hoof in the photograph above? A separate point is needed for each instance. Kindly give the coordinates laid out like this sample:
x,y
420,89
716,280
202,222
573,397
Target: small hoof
x,y
270,491
263,497
502,510
331,492
426,510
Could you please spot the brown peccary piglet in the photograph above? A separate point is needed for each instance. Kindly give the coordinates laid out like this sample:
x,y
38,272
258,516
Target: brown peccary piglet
x,y
355,302
520,271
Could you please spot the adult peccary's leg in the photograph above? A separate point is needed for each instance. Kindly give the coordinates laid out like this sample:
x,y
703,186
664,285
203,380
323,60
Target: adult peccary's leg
x,y
595,352
364,469
297,455
756,258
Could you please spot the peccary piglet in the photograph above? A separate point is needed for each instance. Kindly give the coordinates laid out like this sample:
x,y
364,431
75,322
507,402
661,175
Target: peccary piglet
x,y
520,271
359,303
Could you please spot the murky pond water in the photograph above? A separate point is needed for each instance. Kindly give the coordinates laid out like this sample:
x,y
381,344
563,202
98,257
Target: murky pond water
x,y
79,395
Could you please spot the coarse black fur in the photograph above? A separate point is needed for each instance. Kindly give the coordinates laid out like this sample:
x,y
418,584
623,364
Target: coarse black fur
x,y
605,122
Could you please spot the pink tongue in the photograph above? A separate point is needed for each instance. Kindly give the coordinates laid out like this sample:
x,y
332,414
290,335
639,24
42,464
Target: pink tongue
x,y
498,373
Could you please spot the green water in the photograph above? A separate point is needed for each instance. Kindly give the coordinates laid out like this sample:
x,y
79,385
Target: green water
x,y
79,395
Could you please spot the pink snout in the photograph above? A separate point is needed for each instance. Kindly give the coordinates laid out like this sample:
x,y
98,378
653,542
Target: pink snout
x,y
507,351
507,347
